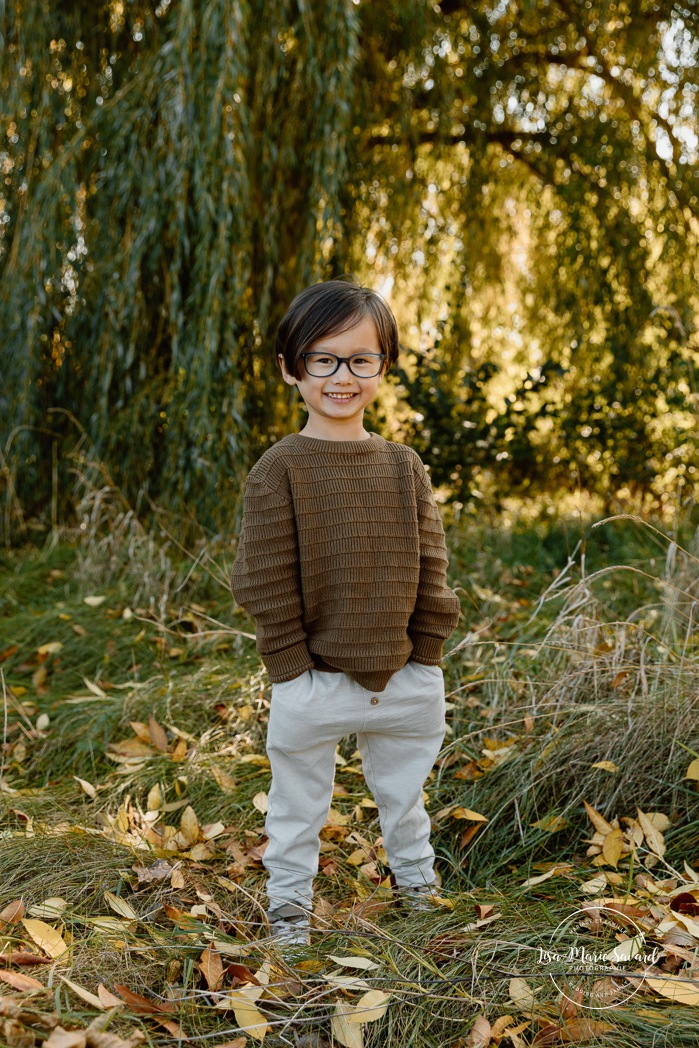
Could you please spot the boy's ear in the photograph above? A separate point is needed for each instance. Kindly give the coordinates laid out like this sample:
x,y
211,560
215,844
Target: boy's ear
x,y
289,379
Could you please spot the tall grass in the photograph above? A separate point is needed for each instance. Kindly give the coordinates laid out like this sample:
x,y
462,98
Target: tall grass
x,y
566,658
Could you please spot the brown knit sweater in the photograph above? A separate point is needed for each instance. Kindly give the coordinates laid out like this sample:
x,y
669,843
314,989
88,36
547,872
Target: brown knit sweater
x,y
342,560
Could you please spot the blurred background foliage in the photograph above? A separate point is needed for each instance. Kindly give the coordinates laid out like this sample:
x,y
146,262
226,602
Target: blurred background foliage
x,y
518,178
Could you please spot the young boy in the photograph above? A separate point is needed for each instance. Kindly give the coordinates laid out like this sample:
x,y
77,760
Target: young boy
x,y
342,563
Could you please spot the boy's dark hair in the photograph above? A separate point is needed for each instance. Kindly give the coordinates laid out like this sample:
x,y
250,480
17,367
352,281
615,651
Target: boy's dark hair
x,y
328,308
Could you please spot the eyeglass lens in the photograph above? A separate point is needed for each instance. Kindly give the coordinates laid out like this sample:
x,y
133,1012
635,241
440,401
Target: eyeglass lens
x,y
364,365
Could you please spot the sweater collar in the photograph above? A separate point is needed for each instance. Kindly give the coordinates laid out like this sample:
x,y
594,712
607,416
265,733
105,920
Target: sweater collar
x,y
317,444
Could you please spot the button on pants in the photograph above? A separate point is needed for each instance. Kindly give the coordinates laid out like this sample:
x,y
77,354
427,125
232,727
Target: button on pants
x,y
399,734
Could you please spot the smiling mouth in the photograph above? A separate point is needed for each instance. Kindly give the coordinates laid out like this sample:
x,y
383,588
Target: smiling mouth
x,y
341,396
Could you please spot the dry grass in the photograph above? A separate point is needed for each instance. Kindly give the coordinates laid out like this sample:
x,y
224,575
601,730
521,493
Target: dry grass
x,y
539,696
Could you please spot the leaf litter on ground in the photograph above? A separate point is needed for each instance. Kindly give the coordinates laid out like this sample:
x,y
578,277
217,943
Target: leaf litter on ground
x,y
177,907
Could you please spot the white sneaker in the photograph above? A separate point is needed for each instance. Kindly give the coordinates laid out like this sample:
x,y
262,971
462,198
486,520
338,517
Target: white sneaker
x,y
420,898
289,927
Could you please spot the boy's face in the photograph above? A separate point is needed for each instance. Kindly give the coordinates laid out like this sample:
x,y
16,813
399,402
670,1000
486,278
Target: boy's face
x,y
338,400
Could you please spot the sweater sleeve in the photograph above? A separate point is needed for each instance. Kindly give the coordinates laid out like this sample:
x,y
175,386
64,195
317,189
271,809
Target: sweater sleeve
x,y
437,607
266,582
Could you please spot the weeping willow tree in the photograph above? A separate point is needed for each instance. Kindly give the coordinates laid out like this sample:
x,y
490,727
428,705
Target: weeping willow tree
x,y
528,177
521,175
174,173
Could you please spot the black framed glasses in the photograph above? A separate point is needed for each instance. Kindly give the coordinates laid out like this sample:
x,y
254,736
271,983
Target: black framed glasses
x,y
362,365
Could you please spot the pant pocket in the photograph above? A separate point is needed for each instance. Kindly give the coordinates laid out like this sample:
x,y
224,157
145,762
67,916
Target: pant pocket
x,y
288,714
433,671
415,701
285,685
429,678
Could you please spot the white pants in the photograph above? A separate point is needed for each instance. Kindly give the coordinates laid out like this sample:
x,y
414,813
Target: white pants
x,y
399,734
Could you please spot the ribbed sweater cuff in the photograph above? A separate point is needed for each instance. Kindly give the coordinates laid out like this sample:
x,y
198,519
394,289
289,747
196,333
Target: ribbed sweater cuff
x,y
287,664
426,649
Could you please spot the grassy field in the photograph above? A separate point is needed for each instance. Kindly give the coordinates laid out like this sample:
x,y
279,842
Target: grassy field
x,y
134,785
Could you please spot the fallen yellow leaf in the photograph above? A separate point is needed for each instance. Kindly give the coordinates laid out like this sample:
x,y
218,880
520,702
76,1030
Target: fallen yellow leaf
x,y
261,802
225,781
108,999
336,818
155,798
612,847
120,906
466,813
659,820
157,734
189,826
370,1007
501,1024
594,885
86,787
597,820
541,877
211,967
347,1033
60,1038
52,648
683,991
49,909
249,1018
691,874
654,838
46,938
348,982
522,994
634,830
687,922
180,751
354,962
88,997
480,1034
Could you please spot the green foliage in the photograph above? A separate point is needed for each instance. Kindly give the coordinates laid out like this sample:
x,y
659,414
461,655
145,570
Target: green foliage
x,y
525,175
547,198
456,430
151,250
